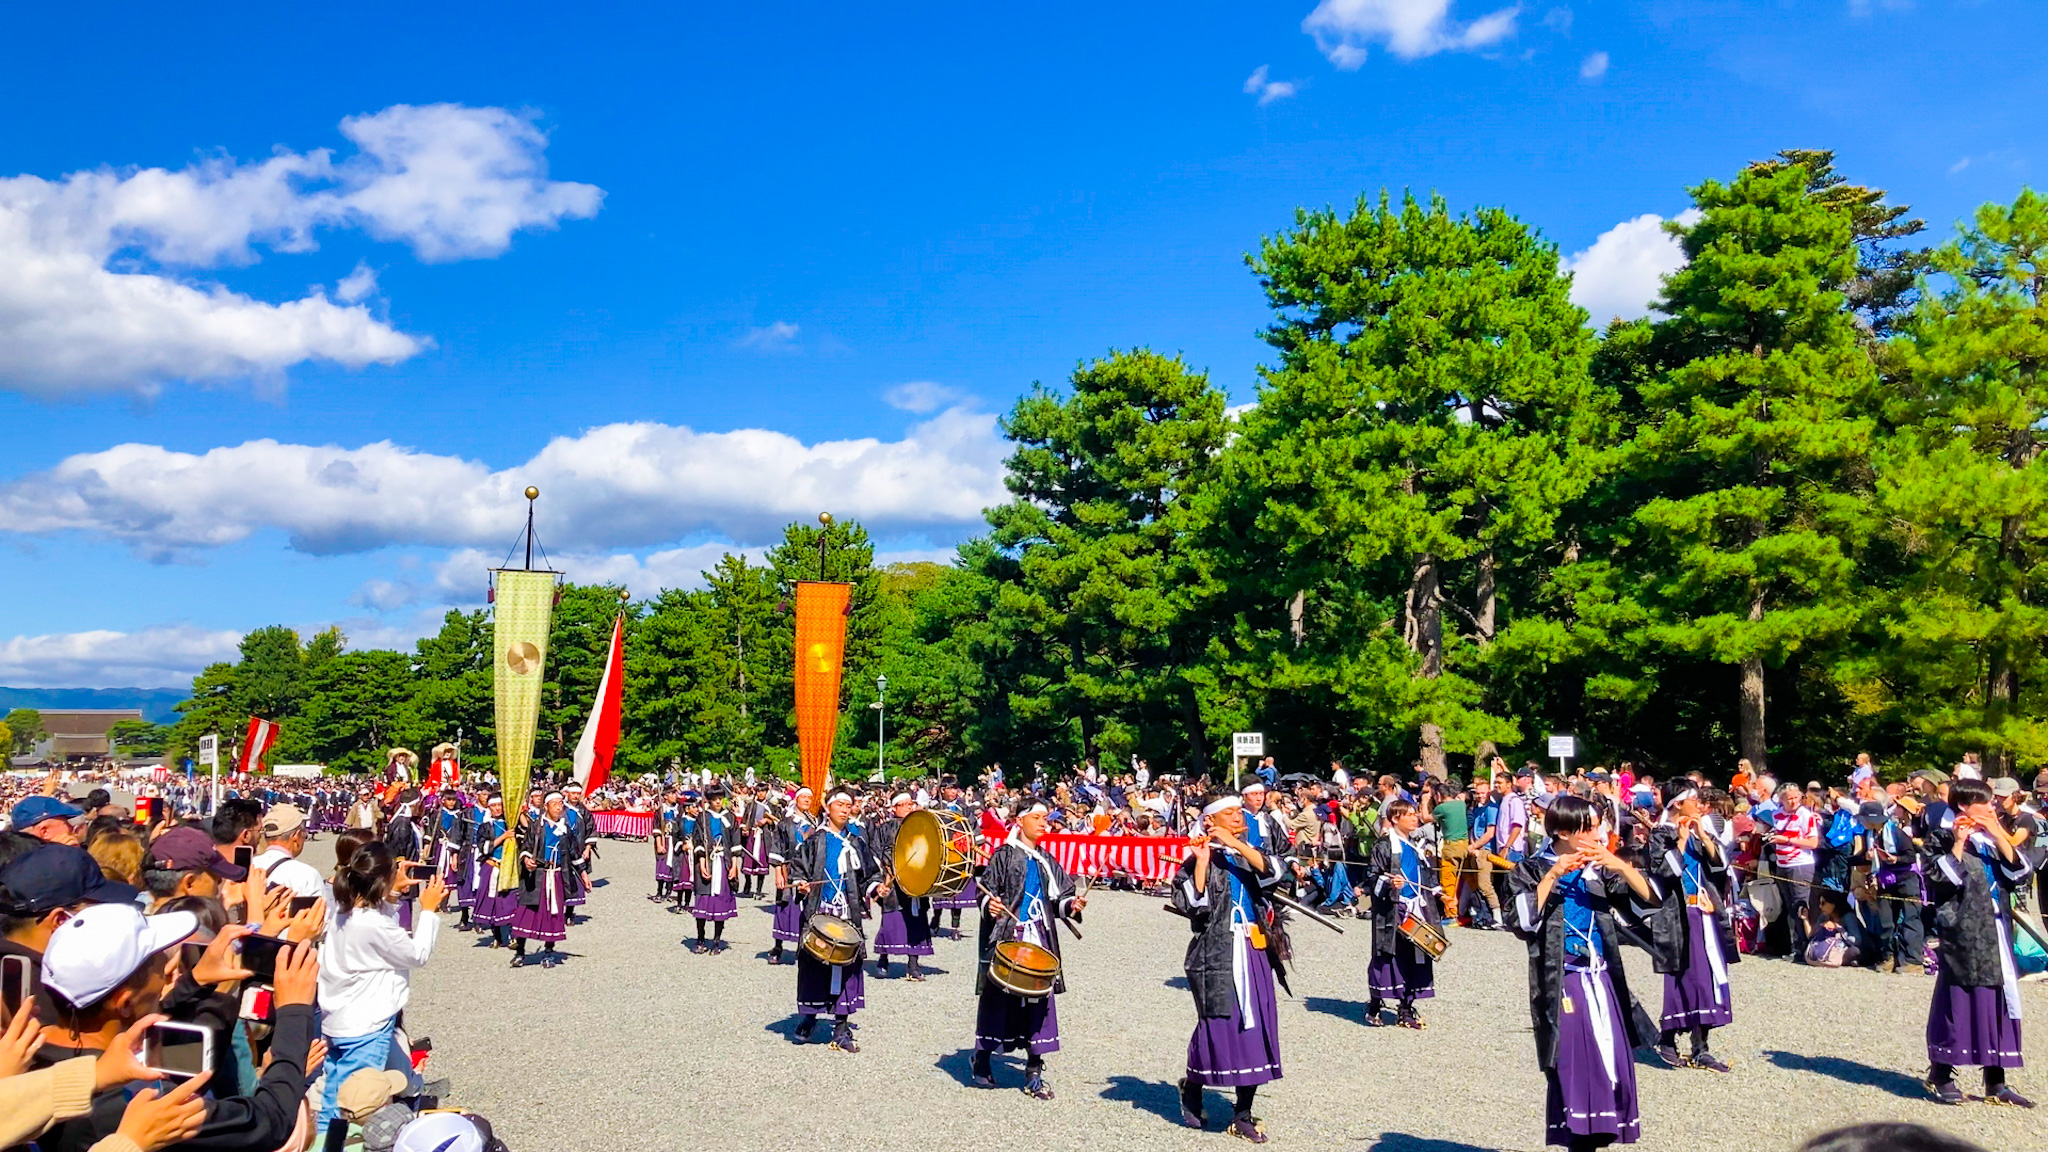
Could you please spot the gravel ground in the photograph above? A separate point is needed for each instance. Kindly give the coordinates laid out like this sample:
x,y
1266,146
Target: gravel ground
x,y
634,1043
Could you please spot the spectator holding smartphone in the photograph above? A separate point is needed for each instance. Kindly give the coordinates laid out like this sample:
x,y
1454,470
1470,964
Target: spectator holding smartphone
x,y
366,973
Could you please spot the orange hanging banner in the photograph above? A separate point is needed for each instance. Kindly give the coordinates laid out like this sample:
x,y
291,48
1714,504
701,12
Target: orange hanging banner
x,y
820,651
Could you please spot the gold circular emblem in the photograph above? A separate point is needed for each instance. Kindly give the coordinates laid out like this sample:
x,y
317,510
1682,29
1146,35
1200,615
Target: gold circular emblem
x,y
522,657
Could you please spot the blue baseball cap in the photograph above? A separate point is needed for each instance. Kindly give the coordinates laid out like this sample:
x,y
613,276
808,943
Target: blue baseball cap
x,y
36,809
57,876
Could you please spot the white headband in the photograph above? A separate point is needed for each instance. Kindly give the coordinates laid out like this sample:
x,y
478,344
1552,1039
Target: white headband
x,y
838,796
551,796
1036,810
1250,788
1682,797
900,798
804,792
1223,805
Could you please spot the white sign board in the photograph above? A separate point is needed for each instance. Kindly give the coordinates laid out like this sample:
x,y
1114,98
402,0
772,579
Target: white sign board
x,y
209,751
299,771
1563,747
1248,744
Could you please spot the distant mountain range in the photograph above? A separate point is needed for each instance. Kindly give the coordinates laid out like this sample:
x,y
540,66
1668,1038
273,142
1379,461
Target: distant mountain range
x,y
156,703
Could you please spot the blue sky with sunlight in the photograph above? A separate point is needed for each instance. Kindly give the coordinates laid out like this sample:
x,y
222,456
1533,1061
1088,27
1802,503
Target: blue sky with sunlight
x,y
292,304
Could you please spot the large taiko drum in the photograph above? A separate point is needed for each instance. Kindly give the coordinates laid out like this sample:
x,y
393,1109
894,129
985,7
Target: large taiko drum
x,y
1024,969
933,854
831,939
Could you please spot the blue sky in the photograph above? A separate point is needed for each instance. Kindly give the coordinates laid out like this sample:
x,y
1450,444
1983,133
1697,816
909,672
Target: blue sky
x,y
701,269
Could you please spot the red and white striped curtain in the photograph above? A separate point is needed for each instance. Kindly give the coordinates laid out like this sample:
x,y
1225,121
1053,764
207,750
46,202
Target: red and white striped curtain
x,y
1145,857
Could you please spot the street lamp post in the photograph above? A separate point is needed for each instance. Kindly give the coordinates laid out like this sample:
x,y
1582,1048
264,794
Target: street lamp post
x,y
881,722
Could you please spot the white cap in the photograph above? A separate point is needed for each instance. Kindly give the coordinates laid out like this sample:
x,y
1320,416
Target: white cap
x,y
100,947
439,1132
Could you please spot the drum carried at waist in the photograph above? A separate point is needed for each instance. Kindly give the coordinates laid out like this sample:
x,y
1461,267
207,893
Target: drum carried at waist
x,y
1424,935
831,940
934,854
1024,969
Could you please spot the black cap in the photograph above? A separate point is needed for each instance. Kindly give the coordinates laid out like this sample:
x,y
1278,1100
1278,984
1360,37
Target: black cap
x,y
57,876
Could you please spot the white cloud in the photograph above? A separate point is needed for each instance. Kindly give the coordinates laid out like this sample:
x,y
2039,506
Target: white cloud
x,y
99,294
780,334
158,657
921,396
1622,274
1410,29
1268,90
1593,67
618,485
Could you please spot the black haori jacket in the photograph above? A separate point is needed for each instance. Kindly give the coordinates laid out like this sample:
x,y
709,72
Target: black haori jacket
x,y
881,838
808,863
533,834
457,837
1543,930
1386,902
702,846
1670,927
1208,963
1965,907
1003,879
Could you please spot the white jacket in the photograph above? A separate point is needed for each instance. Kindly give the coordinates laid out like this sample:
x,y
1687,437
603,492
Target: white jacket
x,y
366,967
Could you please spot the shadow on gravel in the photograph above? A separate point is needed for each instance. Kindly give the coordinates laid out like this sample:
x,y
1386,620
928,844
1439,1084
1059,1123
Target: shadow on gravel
x,y
1850,1072
1350,1010
958,1066
1180,982
1155,1096
1402,1142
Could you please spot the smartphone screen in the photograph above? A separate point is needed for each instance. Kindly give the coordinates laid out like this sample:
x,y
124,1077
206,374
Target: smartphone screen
x,y
259,955
301,903
17,982
174,1049
421,872
156,809
243,855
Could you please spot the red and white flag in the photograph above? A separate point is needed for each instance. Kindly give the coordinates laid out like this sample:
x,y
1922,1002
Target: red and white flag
x,y
601,732
262,734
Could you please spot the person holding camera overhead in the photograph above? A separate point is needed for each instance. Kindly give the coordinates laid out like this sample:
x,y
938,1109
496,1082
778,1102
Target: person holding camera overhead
x,y
367,964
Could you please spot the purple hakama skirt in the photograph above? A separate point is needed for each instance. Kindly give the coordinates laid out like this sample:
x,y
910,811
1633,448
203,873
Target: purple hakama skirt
x,y
1223,1053
754,859
1005,1023
663,873
715,906
1971,1026
789,922
547,920
1584,1099
1408,974
814,995
490,907
904,934
1693,998
579,887
968,897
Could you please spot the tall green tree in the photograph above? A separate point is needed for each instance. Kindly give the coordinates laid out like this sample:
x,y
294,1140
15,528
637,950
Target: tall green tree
x,y
25,726
354,708
1093,554
1757,441
452,696
1430,413
1964,484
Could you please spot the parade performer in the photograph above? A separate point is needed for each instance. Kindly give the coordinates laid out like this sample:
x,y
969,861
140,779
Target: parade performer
x,y
402,836
713,850
758,829
906,927
1570,904
1023,891
443,771
447,838
583,829
836,874
494,904
401,766
1400,970
1264,829
1694,932
1221,889
682,839
664,845
543,886
1975,1014
790,833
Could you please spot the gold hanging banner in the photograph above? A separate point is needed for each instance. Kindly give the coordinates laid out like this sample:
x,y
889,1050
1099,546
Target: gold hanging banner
x,y
523,605
820,652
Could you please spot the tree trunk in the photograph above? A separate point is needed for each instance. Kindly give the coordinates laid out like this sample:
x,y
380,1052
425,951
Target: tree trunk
x,y
1198,738
1489,597
1295,607
1423,628
1752,693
